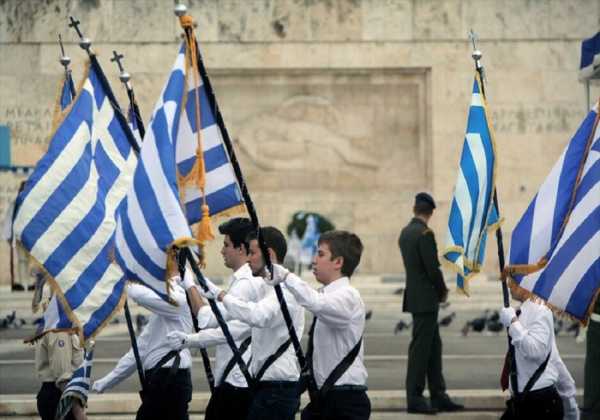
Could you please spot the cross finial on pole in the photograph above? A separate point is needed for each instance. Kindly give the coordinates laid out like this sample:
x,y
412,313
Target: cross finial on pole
x,y
62,48
474,38
123,75
476,54
117,59
84,42
75,24
64,59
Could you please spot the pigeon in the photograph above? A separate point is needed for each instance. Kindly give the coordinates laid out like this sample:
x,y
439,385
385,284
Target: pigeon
x,y
495,316
477,324
494,326
11,321
401,325
445,321
399,291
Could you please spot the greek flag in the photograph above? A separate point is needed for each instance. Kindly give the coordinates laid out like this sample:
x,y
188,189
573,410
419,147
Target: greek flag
x,y
221,187
590,57
555,247
151,218
66,212
473,212
67,92
66,96
77,388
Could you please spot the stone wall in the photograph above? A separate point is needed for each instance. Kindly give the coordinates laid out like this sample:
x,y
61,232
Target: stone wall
x,y
345,107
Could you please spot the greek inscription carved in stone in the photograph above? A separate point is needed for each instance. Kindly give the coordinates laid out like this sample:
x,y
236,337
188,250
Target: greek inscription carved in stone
x,y
301,130
28,125
526,119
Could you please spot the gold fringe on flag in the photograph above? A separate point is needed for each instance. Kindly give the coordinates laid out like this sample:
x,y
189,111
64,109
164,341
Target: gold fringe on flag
x,y
197,175
172,266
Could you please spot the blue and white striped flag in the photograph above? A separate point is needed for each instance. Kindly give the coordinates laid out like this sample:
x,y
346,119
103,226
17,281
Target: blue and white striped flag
x,y
555,247
221,187
67,92
78,387
473,212
66,212
66,96
151,218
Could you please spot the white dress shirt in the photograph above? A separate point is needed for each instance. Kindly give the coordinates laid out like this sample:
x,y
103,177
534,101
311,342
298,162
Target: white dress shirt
x,y
152,342
269,332
533,338
340,313
245,286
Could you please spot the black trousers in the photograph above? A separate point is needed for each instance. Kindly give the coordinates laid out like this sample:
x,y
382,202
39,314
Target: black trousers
x,y
275,400
424,358
47,401
166,396
542,403
228,402
340,405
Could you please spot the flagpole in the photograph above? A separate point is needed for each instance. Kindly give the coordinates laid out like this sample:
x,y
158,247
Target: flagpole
x,y
249,203
86,43
499,238
180,10
187,256
65,60
124,77
476,55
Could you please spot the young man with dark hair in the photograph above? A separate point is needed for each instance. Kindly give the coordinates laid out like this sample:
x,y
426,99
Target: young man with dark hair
x,y
335,351
276,244
232,396
425,289
273,365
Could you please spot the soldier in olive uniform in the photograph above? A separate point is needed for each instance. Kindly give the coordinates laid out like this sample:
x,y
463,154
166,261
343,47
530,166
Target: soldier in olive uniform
x,y
425,289
591,387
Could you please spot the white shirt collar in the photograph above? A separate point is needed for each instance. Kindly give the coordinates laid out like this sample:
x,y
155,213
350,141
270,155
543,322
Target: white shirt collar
x,y
336,284
243,272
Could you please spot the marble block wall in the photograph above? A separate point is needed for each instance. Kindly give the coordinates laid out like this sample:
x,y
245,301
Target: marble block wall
x,y
344,107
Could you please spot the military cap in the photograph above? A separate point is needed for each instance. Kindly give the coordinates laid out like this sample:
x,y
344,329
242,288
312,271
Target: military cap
x,y
423,197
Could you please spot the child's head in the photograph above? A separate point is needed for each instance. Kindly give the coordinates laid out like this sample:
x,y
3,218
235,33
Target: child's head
x,y
276,244
338,255
235,247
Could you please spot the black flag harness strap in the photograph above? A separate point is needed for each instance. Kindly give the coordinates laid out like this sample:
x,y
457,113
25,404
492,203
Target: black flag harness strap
x,y
337,372
243,347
